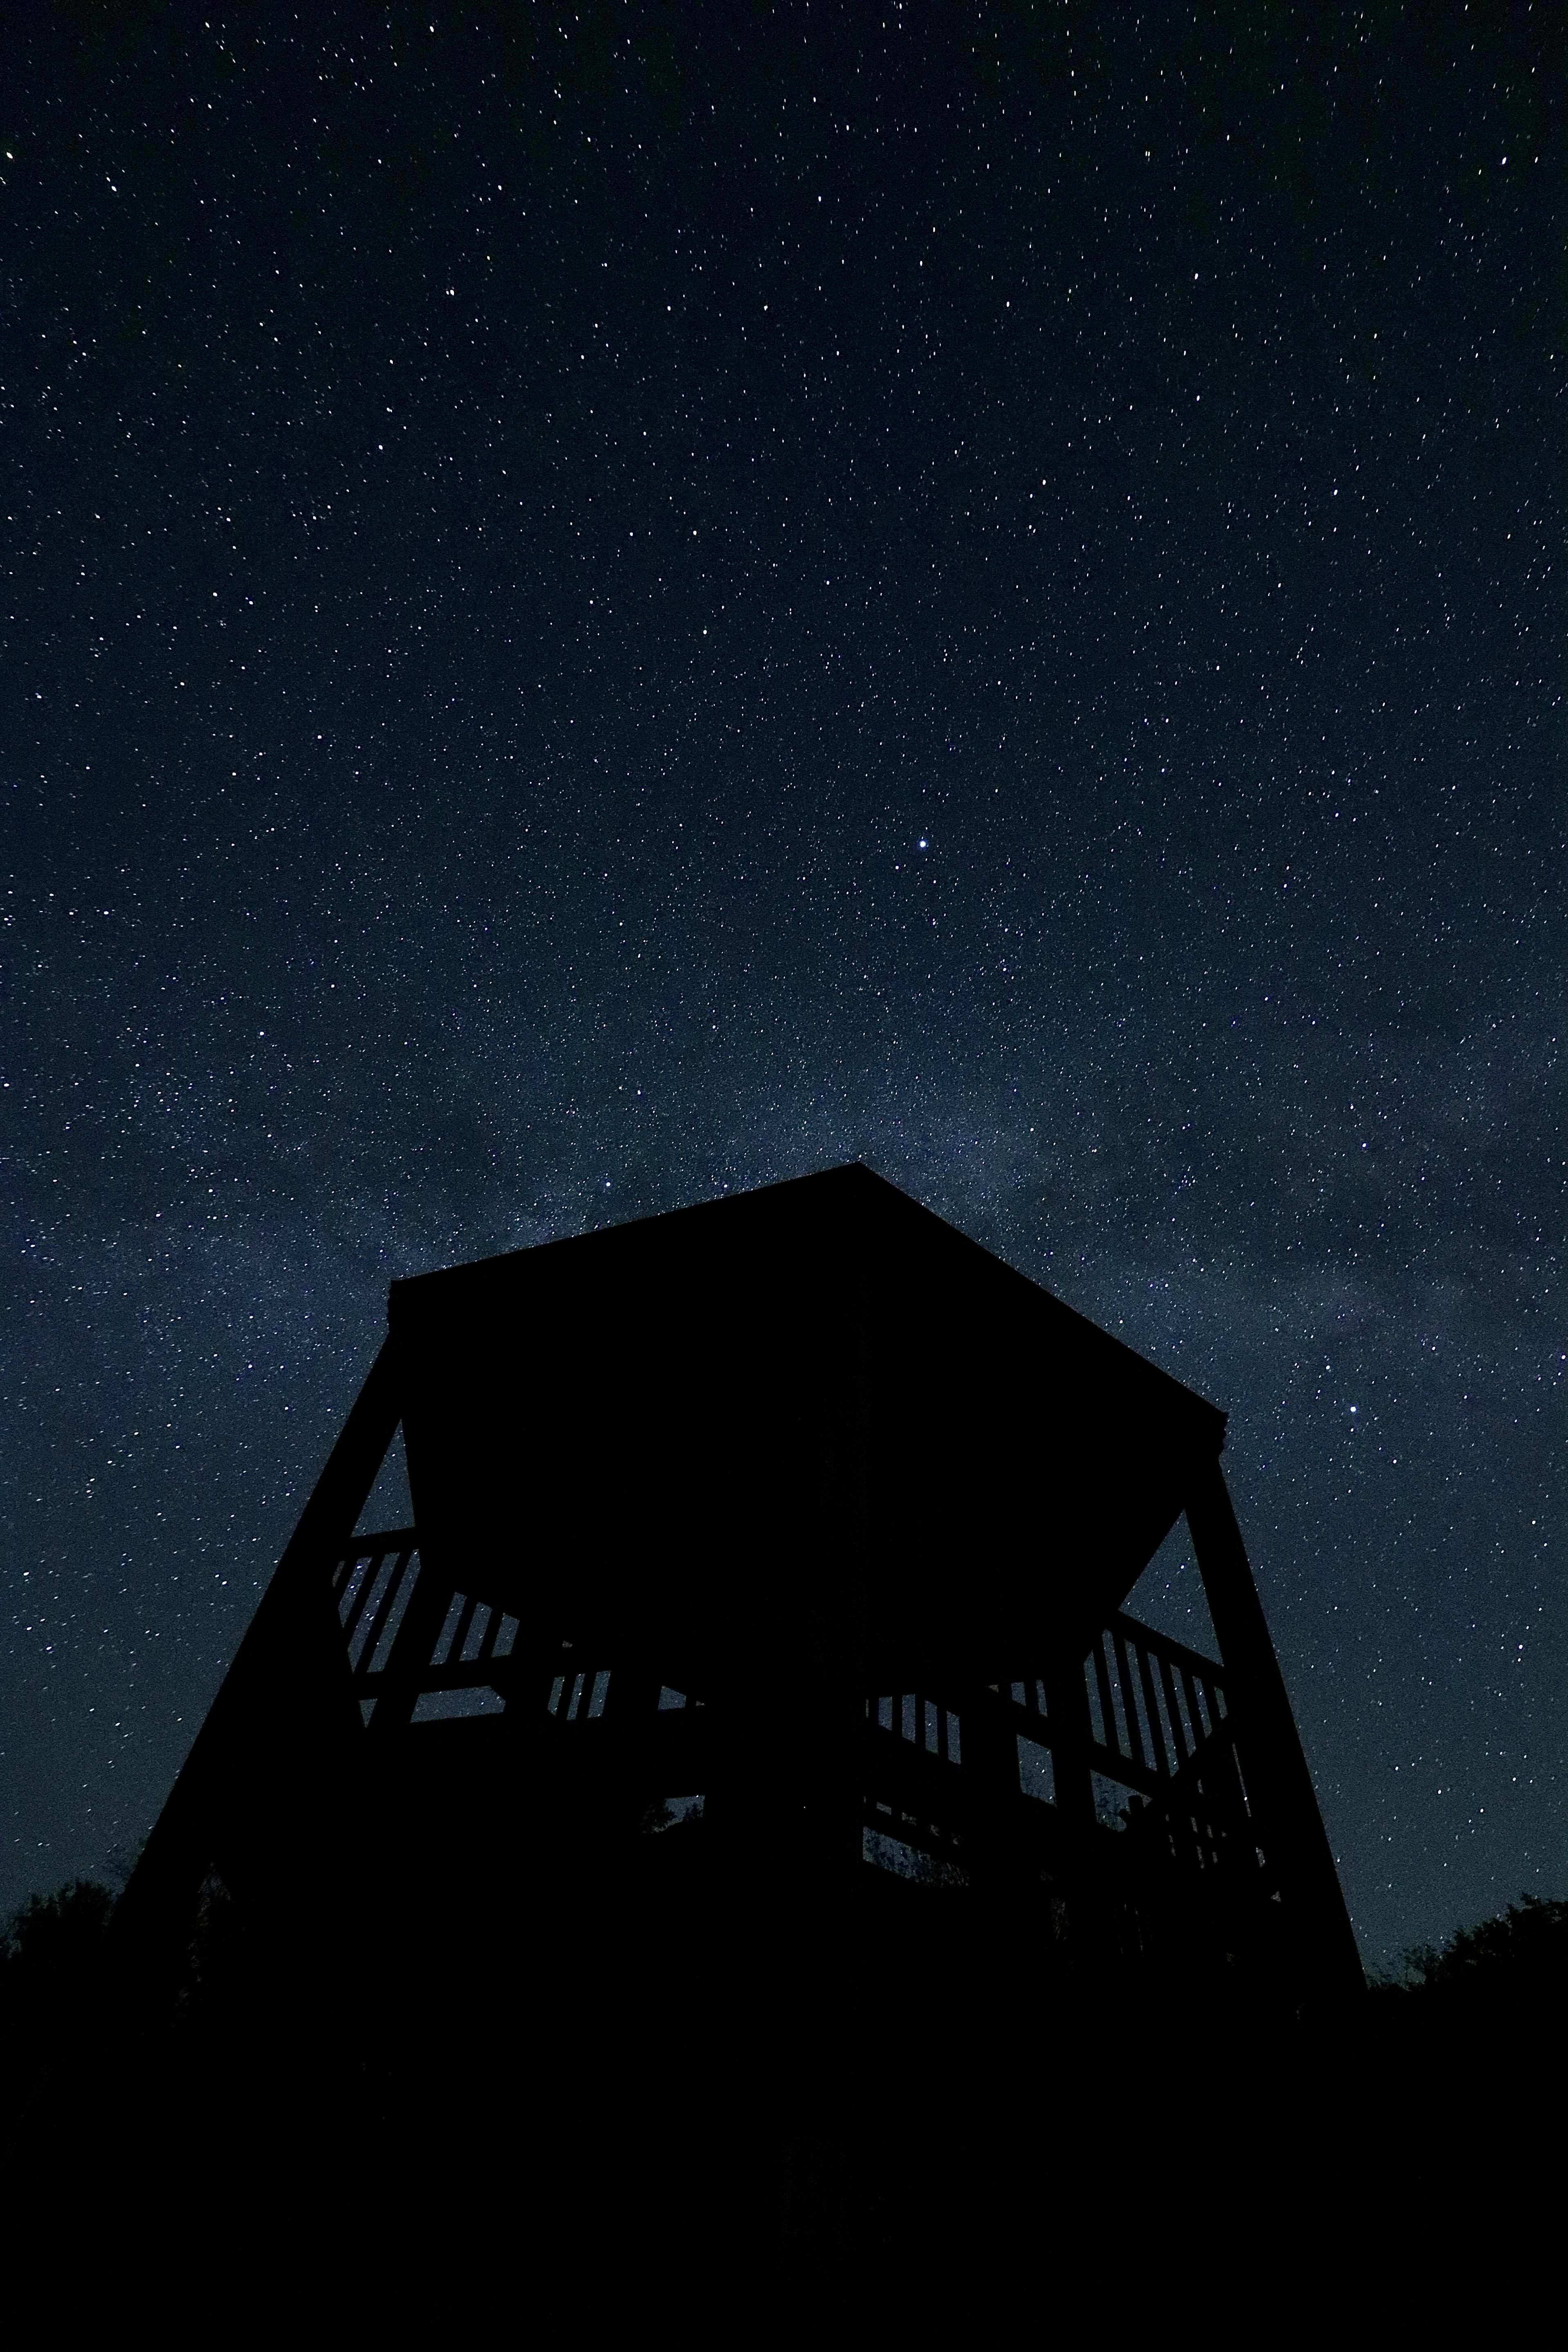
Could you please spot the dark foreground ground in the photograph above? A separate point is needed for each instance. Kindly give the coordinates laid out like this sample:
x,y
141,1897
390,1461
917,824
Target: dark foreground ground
x,y
626,2144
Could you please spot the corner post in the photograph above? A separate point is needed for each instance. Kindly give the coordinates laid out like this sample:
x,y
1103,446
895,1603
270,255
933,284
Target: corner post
x,y
1270,1745
253,1724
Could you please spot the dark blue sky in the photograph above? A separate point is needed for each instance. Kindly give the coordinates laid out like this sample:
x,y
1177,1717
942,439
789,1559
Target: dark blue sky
x,y
602,606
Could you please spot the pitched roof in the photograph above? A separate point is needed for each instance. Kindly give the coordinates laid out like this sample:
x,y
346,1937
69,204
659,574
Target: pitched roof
x,y
813,1405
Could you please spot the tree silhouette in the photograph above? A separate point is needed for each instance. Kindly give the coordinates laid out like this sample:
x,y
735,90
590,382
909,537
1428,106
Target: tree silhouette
x,y
1515,1963
49,1952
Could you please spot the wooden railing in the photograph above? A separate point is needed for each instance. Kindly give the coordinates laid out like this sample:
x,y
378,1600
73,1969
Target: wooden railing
x,y
1154,1736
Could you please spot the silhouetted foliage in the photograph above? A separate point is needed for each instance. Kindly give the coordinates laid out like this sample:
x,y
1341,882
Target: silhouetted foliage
x,y
260,2066
1515,1962
49,1953
215,1955
49,1945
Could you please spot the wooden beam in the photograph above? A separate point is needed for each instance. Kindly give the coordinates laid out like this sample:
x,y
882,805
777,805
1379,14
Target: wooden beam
x,y
1284,1802
286,1698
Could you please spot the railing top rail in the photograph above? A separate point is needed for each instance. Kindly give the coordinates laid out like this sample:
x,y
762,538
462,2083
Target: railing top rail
x,y
1163,1645
384,1539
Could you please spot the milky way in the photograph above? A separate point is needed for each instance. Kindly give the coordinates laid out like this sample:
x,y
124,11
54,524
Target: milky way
x,y
600,608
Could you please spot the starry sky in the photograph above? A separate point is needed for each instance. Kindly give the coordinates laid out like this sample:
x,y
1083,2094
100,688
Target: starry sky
x,y
600,606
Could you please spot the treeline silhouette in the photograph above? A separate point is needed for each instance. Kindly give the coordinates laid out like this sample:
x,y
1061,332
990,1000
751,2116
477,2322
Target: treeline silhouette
x,y
1392,2153
1508,1973
1520,1957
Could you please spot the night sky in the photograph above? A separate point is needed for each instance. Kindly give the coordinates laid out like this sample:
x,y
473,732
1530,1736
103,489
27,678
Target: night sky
x,y
602,606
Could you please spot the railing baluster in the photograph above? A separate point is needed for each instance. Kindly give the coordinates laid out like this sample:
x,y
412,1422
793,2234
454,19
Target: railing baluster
x,y
389,1613
367,1585
1161,1759
1190,1703
1126,1676
380,1613
1180,1739
1112,1728
449,1647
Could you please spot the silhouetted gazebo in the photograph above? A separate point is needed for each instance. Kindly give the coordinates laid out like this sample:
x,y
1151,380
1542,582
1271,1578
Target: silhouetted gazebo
x,y
768,1565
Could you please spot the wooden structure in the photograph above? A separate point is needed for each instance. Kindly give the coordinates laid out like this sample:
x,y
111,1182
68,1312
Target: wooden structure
x,y
767,1574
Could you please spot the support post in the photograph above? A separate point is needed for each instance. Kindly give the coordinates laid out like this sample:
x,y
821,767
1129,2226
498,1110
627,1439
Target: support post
x,y
1278,1783
285,1698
